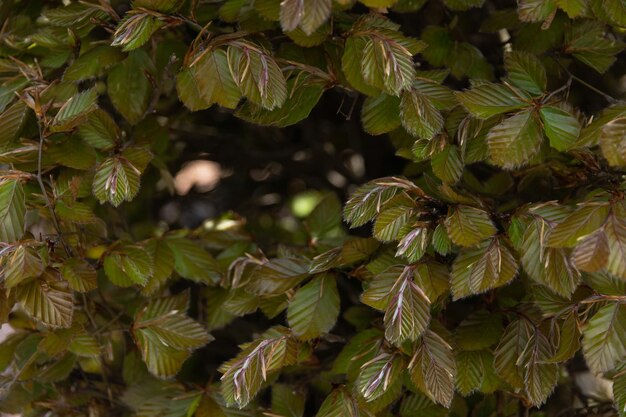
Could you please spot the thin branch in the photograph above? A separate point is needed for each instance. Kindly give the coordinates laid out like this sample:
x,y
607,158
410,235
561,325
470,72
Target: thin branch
x,y
607,97
564,87
42,186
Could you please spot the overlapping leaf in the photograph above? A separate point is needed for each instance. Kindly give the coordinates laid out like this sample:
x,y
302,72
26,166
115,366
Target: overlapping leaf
x,y
603,338
514,141
47,300
244,375
468,226
408,310
433,368
315,307
12,210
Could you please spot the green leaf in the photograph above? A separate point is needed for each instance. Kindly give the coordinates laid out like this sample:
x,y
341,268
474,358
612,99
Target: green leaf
x,y
468,226
358,249
84,345
615,230
116,180
73,14
378,374
12,210
57,341
366,201
591,253
421,405
569,339
613,142
588,43
477,270
163,264
191,261
162,361
377,293
257,74
539,377
562,128
128,265
131,103
441,241
93,63
514,141
619,392
432,368
11,123
58,370
387,61
418,115
469,371
209,407
463,4
511,347
79,275
380,114
379,3
414,244
287,401
172,328
75,212
408,310
525,71
535,10
269,9
99,130
189,90
277,276
314,309
135,30
390,223
210,80
23,264
602,343
162,306
291,13
47,300
165,6
554,268
447,164
616,10
74,110
245,375
587,218
166,335
306,14
359,349
317,38
72,152
433,278
480,330
488,100
605,283
573,8
339,403
304,94
8,347
351,66
177,331
325,218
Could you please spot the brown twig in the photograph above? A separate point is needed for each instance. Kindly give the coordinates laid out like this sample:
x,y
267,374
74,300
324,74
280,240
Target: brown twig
x,y
42,186
607,97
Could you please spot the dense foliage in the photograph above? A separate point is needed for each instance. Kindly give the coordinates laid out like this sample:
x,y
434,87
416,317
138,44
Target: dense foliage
x,y
477,266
